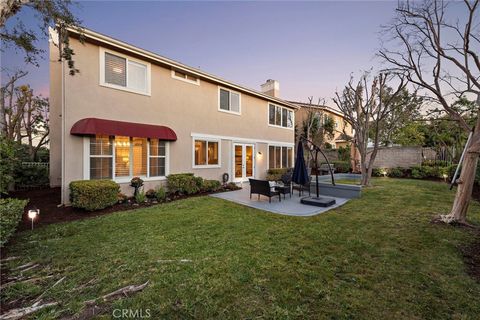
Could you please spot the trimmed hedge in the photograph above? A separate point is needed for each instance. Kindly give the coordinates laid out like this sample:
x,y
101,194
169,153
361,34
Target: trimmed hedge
x,y
276,174
11,211
211,185
340,166
93,194
184,184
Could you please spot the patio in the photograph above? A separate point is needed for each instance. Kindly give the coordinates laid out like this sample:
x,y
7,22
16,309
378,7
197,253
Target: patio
x,y
288,206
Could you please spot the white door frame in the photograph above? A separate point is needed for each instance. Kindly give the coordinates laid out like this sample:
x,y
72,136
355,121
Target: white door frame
x,y
244,169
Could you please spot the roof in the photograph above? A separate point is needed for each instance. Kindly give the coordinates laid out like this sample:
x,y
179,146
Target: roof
x,y
95,37
320,107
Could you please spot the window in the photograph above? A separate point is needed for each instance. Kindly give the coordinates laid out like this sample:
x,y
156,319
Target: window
x,y
185,77
101,152
206,153
121,158
157,158
279,116
280,157
229,101
124,73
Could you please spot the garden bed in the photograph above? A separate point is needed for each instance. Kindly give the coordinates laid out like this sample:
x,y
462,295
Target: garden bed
x,y
48,200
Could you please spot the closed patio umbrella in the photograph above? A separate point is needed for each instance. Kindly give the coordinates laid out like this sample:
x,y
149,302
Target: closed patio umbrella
x,y
300,173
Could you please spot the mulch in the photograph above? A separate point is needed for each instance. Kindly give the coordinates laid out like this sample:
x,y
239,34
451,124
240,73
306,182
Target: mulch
x,y
48,201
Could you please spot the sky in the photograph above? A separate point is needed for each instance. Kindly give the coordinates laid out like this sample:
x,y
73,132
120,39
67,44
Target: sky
x,y
311,48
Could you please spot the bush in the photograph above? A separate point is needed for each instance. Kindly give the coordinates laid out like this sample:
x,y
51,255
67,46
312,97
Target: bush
x,y
211,185
344,153
377,172
31,176
11,211
140,197
396,173
342,166
121,197
232,186
151,194
276,174
184,183
160,194
93,194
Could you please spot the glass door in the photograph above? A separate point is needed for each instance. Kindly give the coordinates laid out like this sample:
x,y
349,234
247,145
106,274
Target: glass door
x,y
244,166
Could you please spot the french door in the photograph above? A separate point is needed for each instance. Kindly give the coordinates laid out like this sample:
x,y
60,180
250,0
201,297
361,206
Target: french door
x,y
243,161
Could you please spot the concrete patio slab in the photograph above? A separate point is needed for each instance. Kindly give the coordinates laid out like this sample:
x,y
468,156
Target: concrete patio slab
x,y
288,206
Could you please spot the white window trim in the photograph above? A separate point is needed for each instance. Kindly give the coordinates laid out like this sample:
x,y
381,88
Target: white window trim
x,y
174,76
239,101
86,163
281,107
281,156
207,166
102,52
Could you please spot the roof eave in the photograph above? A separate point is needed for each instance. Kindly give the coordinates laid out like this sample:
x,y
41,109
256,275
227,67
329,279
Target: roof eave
x,y
87,33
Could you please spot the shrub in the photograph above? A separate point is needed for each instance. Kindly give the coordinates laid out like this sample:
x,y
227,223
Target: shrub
x,y
276,174
151,194
184,183
140,197
344,153
396,173
232,186
93,194
160,193
31,175
377,172
11,211
211,185
121,197
342,166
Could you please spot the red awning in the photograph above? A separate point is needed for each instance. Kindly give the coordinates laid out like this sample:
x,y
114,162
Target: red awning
x,y
94,126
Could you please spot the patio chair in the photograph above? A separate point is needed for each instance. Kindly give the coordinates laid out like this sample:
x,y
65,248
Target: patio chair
x,y
262,187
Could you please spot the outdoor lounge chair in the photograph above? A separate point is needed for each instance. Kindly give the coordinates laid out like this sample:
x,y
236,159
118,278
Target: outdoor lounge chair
x,y
262,187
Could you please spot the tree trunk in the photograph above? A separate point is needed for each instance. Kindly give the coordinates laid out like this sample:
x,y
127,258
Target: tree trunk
x,y
466,180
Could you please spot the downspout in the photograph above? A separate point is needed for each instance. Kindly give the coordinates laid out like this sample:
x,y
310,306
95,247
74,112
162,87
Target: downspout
x,y
63,115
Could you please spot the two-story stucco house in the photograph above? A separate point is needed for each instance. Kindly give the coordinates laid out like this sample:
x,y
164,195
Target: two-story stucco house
x,y
130,112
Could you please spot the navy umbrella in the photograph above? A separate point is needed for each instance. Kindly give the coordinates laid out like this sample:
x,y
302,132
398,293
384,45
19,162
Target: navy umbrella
x,y
300,173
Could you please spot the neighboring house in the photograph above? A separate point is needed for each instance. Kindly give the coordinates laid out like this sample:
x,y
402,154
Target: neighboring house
x,y
130,112
341,126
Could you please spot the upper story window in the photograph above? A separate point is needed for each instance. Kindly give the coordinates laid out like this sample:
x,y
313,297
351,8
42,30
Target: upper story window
x,y
229,101
124,73
280,116
180,75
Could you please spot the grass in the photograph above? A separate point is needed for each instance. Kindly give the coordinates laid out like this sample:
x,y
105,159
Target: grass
x,y
377,257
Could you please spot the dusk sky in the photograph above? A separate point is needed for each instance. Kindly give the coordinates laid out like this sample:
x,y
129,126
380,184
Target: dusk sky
x,y
311,48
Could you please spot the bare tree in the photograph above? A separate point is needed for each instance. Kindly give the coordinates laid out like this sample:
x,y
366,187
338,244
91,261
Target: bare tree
x,y
438,51
24,116
366,106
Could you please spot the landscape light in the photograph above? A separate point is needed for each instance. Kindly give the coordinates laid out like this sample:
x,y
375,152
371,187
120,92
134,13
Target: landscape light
x,y
32,214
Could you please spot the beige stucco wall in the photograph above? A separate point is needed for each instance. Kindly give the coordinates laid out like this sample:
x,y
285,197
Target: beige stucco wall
x,y
184,107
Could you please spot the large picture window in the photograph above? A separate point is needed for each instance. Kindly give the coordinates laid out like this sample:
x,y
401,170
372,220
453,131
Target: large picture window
x,y
206,153
229,101
124,73
122,158
280,116
280,157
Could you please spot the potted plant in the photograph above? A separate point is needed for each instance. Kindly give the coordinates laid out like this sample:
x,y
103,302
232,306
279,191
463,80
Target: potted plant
x,y
137,183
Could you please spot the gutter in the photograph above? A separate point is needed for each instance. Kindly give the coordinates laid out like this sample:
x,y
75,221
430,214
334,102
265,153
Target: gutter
x,y
86,33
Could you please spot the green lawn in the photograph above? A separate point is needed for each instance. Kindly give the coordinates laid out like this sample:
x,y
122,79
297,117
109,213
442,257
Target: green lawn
x,y
377,257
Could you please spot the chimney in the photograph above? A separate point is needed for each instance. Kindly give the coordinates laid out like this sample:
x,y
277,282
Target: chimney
x,y
271,87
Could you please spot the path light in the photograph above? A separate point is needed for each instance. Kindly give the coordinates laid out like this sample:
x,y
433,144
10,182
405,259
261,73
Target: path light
x,y
32,214
445,176
384,172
